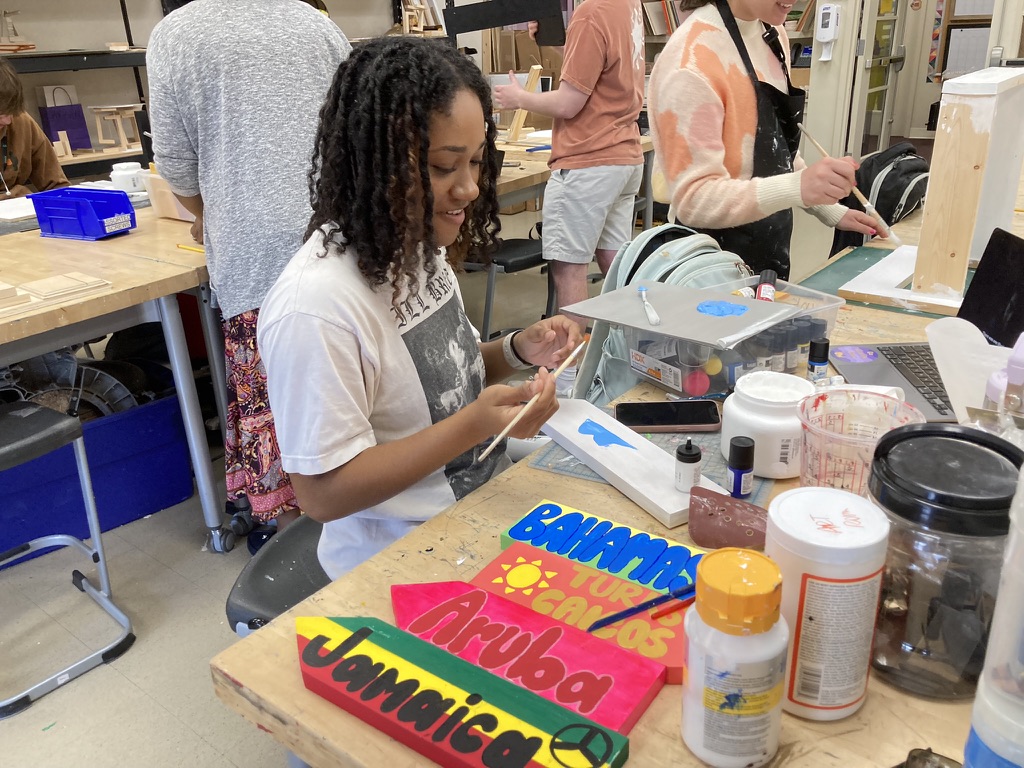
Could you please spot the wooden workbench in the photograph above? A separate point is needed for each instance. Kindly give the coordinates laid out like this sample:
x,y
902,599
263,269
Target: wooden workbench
x,y
259,676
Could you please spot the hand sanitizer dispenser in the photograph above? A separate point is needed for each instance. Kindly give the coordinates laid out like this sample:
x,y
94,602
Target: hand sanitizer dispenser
x,y
826,29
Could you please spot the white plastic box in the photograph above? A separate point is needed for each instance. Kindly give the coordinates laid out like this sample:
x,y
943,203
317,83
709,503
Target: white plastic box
x,y
676,364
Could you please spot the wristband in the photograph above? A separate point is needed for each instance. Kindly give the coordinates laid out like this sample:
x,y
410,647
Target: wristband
x,y
511,356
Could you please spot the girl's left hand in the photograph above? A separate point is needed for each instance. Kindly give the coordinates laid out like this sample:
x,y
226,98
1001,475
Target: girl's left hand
x,y
549,341
857,221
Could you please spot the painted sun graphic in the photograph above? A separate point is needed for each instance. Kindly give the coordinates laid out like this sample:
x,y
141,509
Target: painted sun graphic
x,y
524,576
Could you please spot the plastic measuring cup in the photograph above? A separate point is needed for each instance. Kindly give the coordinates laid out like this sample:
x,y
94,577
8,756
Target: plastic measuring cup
x,y
839,430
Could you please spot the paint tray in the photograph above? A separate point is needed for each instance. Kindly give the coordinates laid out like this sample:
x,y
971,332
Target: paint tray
x,y
83,214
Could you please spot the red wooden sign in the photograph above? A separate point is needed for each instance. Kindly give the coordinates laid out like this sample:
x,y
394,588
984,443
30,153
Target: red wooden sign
x,y
578,595
571,668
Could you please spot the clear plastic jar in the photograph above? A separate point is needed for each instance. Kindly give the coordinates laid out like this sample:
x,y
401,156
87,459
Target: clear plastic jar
x,y
947,491
764,408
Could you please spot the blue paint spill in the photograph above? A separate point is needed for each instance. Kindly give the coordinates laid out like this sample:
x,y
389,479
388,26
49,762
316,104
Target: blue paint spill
x,y
721,308
732,701
602,436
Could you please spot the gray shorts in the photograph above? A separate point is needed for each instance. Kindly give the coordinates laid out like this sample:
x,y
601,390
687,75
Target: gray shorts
x,y
589,209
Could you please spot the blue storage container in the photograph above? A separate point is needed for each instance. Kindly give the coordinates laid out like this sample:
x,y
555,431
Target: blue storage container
x,y
83,214
139,463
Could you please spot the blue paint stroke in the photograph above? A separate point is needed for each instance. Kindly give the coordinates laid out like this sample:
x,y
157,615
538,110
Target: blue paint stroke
x,y
602,436
719,308
732,701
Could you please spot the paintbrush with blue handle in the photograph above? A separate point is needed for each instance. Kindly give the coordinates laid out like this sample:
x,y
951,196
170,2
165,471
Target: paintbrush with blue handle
x,y
676,594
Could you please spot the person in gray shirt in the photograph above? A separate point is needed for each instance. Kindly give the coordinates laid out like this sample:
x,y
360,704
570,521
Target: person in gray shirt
x,y
235,92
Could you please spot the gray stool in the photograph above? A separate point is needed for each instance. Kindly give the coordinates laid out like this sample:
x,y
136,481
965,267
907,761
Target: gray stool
x,y
28,431
513,255
284,572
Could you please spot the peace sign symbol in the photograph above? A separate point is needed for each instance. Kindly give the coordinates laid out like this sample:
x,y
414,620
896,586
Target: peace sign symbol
x,y
581,745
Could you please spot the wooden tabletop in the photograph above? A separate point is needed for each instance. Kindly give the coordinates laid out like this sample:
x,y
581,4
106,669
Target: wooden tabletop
x,y
259,676
140,265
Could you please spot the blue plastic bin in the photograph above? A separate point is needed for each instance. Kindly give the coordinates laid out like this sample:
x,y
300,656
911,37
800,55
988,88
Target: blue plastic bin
x,y
83,214
139,463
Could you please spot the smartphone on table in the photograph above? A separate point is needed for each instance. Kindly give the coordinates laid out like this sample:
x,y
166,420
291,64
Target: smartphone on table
x,y
670,416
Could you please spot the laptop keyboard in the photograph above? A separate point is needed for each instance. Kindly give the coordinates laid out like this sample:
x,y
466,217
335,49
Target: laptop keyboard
x,y
918,366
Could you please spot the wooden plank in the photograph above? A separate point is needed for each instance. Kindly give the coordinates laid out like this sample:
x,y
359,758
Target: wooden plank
x,y
882,283
562,664
64,286
578,595
976,166
629,461
643,558
421,696
519,117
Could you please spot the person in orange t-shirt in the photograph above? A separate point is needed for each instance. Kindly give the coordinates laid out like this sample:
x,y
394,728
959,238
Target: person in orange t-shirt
x,y
596,161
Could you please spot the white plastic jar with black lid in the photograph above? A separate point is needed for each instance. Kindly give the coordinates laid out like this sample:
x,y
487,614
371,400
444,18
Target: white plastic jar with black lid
x,y
947,491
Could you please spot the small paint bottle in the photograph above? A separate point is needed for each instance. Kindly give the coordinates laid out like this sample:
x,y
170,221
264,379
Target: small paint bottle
x,y
765,290
746,292
817,360
792,346
688,463
777,339
803,325
739,472
736,642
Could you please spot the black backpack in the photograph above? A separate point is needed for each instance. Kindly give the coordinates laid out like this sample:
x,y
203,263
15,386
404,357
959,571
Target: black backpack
x,y
894,180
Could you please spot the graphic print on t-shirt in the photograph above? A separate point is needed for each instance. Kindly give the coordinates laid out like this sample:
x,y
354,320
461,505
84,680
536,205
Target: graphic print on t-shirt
x,y
444,350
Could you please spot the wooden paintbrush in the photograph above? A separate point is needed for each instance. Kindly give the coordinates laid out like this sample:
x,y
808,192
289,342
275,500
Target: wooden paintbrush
x,y
529,404
679,594
868,207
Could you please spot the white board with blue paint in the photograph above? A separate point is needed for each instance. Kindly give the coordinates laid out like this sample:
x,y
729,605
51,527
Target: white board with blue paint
x,y
704,315
642,471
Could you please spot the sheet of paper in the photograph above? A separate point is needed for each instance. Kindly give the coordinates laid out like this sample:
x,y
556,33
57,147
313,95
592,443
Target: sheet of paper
x,y
965,360
17,209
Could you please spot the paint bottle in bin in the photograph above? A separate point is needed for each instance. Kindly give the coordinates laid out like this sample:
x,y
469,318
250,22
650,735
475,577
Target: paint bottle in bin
x,y
736,644
830,546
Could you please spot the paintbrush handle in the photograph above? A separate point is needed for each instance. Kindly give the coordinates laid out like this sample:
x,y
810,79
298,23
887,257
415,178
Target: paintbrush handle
x,y
678,594
529,404
868,207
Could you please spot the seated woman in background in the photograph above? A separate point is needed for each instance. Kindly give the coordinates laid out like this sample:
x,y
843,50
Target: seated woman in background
x,y
29,163
724,120
377,379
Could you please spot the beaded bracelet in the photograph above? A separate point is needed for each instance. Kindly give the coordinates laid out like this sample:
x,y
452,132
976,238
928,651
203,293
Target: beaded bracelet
x,y
511,356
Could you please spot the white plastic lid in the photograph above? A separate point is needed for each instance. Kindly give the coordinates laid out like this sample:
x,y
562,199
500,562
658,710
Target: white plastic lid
x,y
775,387
828,525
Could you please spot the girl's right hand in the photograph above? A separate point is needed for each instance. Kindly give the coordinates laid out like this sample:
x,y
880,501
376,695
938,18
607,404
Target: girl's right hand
x,y
827,181
500,403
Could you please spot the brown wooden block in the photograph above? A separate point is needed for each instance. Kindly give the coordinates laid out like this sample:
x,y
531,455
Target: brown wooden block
x,y
718,520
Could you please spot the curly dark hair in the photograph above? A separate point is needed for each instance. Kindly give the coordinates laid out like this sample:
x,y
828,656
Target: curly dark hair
x,y
370,179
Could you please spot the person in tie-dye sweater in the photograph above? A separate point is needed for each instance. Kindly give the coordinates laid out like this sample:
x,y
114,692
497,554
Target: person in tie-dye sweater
x,y
727,148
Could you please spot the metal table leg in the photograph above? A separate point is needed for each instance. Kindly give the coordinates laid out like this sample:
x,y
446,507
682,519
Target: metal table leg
x,y
214,337
221,539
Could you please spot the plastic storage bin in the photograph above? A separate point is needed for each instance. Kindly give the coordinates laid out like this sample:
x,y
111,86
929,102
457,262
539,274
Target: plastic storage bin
x,y
139,463
695,369
83,214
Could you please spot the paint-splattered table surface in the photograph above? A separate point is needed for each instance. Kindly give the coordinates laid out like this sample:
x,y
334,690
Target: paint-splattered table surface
x,y
259,676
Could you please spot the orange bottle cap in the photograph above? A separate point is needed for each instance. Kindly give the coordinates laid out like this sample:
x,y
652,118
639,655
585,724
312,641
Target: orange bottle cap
x,y
738,591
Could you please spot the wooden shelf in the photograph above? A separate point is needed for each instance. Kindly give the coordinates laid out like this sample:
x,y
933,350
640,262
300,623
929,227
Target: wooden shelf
x,y
62,61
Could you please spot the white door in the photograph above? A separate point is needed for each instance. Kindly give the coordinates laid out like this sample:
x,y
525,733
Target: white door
x,y
880,57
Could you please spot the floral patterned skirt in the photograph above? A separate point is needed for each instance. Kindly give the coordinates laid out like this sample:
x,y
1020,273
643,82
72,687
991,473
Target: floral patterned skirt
x,y
252,458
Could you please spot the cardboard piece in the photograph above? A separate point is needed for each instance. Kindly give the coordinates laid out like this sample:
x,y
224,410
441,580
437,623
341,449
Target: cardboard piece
x,y
456,714
578,595
564,665
629,461
642,558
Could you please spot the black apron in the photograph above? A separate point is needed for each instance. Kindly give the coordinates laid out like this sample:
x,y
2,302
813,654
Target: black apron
x,y
764,244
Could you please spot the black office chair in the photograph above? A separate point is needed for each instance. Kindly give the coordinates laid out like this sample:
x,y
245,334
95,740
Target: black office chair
x,y
284,572
28,431
513,255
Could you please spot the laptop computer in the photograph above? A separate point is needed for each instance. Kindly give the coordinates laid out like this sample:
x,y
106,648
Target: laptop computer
x,y
994,302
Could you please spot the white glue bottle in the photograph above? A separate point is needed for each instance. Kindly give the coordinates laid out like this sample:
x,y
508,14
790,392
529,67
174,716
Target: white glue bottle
x,y
830,545
736,644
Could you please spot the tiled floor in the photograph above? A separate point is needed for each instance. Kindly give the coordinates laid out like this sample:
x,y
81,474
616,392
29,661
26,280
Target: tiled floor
x,y
155,706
